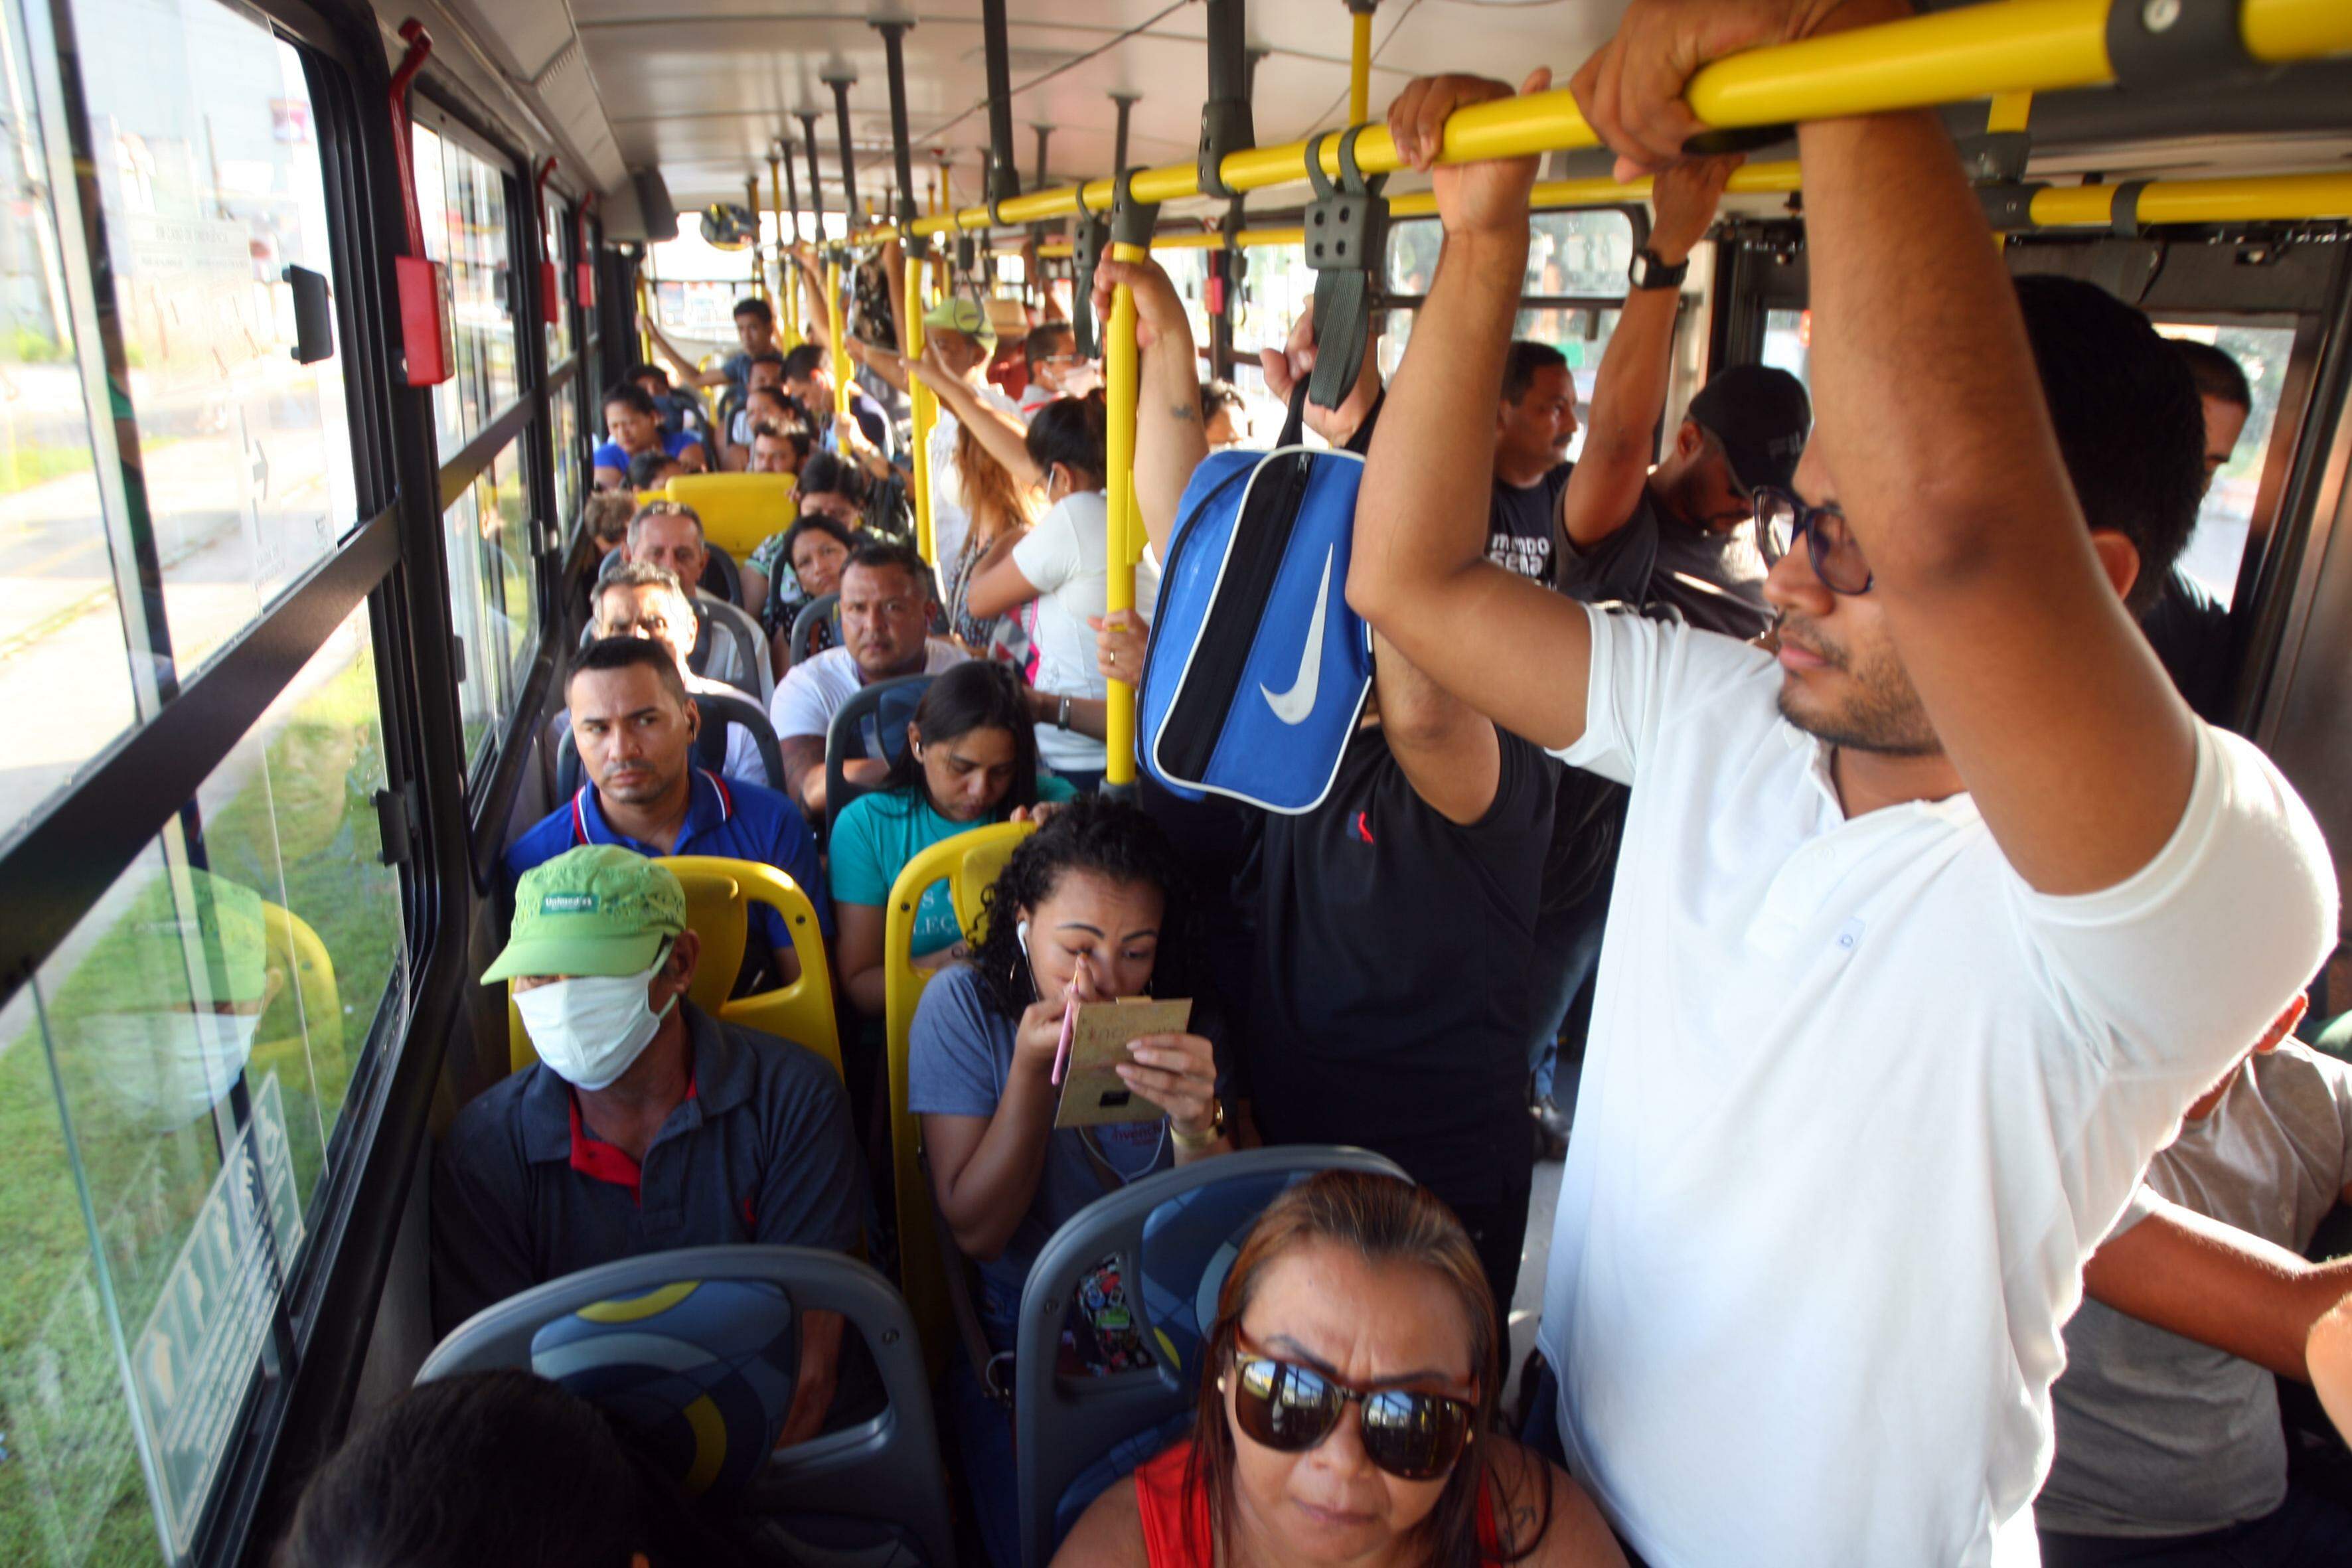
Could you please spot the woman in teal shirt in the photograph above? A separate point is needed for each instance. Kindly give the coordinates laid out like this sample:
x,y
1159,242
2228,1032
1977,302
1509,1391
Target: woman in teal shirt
x,y
970,760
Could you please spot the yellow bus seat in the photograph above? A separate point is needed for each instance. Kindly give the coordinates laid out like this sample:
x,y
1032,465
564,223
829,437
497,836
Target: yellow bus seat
x,y
968,864
738,510
718,895
303,1041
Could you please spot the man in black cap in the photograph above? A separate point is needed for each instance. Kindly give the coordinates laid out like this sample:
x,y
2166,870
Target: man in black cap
x,y
1683,536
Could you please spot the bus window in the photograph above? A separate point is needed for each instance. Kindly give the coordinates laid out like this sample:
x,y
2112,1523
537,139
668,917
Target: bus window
x,y
1580,332
209,176
487,534
2218,548
171,1084
1789,343
1274,294
65,673
1582,252
463,197
555,244
568,487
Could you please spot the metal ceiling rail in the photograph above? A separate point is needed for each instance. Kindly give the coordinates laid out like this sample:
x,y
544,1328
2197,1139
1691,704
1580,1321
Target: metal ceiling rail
x,y
1946,56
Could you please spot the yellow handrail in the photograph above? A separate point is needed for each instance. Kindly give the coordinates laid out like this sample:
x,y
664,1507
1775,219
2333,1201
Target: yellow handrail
x,y
1122,549
2020,46
926,406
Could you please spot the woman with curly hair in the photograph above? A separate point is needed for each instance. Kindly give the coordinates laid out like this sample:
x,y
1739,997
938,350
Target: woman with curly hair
x,y
1091,906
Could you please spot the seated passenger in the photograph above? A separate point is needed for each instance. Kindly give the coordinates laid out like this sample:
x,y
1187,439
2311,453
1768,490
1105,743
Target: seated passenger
x,y
790,568
886,616
604,519
1406,1030
1348,1408
633,425
635,726
1681,537
970,760
668,535
678,410
637,601
765,373
651,470
779,446
1224,417
1063,563
2171,1451
858,491
1084,910
516,1471
1954,883
647,1124
2187,626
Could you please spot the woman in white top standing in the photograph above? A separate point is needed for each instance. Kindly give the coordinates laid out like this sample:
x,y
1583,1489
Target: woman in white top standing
x,y
1062,563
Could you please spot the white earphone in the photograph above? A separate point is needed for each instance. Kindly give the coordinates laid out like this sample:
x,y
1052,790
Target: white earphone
x,y
1021,935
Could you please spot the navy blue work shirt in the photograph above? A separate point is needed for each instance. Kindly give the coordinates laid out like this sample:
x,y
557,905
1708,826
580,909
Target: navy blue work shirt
x,y
759,1151
732,818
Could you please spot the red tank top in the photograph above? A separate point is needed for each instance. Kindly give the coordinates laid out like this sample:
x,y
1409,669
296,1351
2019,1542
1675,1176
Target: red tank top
x,y
1176,1535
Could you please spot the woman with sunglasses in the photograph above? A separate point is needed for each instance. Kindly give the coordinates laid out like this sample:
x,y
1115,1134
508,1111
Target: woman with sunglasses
x,y
1348,1412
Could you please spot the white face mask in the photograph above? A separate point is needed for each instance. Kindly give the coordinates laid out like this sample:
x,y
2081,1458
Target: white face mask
x,y
589,1030
169,1068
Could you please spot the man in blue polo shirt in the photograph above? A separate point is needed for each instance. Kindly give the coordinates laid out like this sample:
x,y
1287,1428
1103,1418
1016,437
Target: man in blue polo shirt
x,y
645,1125
635,726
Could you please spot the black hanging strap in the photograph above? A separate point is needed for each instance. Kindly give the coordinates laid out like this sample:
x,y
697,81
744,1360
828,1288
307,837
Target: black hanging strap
x,y
1347,225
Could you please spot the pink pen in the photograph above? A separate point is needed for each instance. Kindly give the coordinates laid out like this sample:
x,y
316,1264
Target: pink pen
x,y
1069,1032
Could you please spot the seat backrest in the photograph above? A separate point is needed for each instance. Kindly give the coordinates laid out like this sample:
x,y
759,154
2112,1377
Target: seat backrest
x,y
313,1053
722,578
694,1353
738,510
750,643
1170,1238
719,893
824,610
921,1269
871,723
721,705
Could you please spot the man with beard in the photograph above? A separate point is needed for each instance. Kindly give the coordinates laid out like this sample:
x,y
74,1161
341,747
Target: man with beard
x,y
1928,927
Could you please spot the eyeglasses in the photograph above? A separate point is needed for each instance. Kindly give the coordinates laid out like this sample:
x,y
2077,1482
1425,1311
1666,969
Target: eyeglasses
x,y
1837,556
1290,1408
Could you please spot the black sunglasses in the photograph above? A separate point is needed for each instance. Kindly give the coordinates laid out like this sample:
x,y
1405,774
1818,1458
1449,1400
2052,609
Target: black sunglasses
x,y
1838,561
1290,1408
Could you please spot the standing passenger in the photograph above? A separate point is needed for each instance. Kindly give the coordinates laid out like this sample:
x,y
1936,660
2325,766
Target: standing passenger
x,y
1391,986
2187,626
1949,911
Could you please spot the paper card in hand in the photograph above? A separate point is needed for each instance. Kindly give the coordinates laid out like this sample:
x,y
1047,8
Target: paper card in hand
x,y
1092,1091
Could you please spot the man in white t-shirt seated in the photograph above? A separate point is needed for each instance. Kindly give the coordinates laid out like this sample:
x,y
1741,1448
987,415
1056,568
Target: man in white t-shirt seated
x,y
636,599
2169,1446
887,605
1926,929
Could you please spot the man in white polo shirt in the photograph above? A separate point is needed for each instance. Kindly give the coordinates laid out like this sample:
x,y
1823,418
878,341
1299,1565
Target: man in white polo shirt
x,y
1926,931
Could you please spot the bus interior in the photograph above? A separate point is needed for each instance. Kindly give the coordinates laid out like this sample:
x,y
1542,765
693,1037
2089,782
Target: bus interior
x,y
310,307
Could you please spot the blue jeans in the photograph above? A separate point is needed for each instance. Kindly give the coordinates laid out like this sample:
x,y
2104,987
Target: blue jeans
x,y
2305,1531
1568,951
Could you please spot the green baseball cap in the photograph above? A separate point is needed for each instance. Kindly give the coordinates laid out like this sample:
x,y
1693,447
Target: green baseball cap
x,y
960,315
597,910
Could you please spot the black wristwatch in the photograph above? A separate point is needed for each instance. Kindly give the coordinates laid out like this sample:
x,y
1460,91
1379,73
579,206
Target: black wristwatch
x,y
1650,270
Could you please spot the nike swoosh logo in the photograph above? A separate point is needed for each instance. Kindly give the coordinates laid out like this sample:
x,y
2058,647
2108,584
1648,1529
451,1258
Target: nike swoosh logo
x,y
1293,706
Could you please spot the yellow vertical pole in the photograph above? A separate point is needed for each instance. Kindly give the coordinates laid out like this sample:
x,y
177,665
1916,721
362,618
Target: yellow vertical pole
x,y
1360,66
645,319
2010,110
833,324
926,407
1118,453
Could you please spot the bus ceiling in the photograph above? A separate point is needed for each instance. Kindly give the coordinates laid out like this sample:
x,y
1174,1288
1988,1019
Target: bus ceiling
x,y
623,88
